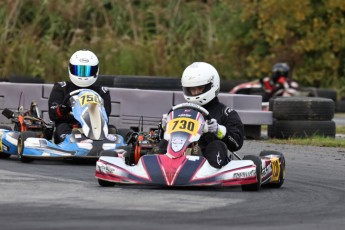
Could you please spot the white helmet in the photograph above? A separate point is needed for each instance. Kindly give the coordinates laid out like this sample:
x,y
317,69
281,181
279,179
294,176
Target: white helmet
x,y
200,74
83,68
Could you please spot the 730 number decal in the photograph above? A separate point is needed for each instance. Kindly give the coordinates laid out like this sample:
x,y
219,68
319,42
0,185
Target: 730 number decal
x,y
183,125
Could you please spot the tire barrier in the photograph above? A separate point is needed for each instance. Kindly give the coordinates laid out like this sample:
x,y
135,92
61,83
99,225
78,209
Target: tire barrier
x,y
340,106
155,83
301,117
25,79
140,82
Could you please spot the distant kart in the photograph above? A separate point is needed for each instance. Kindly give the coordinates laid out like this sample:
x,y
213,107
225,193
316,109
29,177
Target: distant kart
x,y
22,121
86,142
136,164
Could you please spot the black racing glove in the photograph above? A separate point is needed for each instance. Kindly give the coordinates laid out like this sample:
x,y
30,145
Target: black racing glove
x,y
63,110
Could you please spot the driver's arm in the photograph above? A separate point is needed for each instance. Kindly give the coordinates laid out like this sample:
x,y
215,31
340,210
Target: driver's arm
x,y
105,94
58,112
234,129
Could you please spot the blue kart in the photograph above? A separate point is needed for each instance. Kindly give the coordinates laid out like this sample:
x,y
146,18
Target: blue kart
x,y
88,141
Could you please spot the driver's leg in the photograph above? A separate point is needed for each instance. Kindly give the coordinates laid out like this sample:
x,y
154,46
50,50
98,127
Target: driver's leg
x,y
216,153
61,131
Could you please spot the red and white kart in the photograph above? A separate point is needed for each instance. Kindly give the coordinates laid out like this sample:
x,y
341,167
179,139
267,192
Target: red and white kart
x,y
176,168
256,88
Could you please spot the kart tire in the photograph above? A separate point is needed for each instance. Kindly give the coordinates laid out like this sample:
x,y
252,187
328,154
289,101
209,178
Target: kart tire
x,y
125,133
5,127
21,139
108,153
282,168
327,93
302,108
129,155
340,106
25,79
105,183
112,129
256,186
300,129
150,82
4,155
147,82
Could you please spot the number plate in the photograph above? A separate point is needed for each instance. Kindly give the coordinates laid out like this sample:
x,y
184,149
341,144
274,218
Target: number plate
x,y
88,98
187,125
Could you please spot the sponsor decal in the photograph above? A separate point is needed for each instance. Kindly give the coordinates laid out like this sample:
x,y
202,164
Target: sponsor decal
x,y
4,148
86,141
184,115
105,89
193,158
266,170
227,111
62,83
106,168
245,174
232,140
219,161
84,60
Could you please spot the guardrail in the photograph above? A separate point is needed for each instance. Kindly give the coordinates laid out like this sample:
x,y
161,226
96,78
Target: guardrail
x,y
129,106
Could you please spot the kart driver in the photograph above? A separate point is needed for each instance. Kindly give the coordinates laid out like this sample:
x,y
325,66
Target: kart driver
x,y
83,72
278,83
201,85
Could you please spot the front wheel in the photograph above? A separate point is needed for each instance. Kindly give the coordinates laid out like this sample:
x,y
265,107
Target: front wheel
x,y
108,153
256,186
105,183
4,155
21,139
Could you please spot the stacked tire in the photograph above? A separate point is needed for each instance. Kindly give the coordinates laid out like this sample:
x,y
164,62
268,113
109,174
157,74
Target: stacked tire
x,y
301,117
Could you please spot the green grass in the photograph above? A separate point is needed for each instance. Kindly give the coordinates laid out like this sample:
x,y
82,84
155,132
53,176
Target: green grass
x,y
312,141
340,129
338,142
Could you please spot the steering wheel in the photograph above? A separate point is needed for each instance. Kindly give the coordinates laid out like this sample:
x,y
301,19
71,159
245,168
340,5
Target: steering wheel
x,y
75,92
196,107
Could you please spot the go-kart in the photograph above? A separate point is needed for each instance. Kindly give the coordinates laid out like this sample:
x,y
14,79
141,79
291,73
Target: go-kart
x,y
179,166
22,121
85,142
256,88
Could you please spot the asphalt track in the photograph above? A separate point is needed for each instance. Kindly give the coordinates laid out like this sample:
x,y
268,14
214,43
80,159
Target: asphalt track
x,y
60,195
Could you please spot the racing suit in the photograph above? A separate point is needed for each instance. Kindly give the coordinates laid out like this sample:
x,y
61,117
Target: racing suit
x,y
65,122
274,88
212,148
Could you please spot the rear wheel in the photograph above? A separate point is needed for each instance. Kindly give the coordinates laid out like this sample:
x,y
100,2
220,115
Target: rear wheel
x,y
108,153
129,154
112,129
105,183
256,186
281,171
125,133
21,139
5,127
